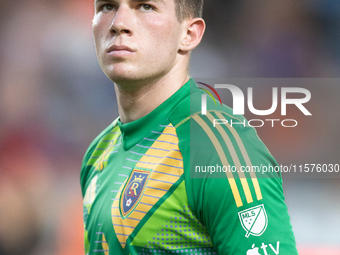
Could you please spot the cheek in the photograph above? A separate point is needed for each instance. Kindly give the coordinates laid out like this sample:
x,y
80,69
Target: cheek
x,y
96,35
95,24
165,34
98,31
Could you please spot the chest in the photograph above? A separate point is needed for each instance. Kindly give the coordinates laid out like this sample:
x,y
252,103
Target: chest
x,y
126,188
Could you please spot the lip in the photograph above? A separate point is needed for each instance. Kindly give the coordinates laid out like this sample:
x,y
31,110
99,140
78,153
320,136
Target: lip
x,y
119,50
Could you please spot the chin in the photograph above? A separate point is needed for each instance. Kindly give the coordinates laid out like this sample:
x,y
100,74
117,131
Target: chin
x,y
120,73
124,79
127,76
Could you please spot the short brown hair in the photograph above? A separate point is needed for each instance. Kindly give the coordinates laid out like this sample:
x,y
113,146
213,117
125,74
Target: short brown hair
x,y
188,9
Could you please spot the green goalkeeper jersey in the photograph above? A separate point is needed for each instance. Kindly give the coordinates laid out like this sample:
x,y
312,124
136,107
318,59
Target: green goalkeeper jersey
x,y
166,184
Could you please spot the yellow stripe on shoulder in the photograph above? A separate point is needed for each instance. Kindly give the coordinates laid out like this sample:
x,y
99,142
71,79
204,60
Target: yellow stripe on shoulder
x,y
235,158
245,156
222,157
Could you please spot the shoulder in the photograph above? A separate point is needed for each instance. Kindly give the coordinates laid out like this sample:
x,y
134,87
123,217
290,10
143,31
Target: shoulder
x,y
86,164
217,132
221,150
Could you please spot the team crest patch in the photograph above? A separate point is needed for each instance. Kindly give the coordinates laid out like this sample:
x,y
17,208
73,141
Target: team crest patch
x,y
133,191
254,220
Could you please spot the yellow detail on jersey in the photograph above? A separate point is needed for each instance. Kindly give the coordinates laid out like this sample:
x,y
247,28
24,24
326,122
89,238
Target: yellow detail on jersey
x,y
100,164
245,156
222,157
123,228
90,193
105,246
159,185
165,162
235,159
103,150
182,121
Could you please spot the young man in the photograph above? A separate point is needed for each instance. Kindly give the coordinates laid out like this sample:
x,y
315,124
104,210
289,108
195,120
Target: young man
x,y
140,196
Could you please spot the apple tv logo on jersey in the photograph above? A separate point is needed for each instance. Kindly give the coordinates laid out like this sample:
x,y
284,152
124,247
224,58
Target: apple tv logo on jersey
x,y
255,250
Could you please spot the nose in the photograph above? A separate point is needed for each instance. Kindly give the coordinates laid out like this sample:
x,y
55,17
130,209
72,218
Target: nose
x,y
122,21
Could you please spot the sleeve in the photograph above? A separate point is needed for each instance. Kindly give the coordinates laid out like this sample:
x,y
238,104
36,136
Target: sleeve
x,y
85,167
88,184
235,188
84,172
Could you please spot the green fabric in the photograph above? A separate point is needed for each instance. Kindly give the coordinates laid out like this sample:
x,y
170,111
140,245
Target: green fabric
x,y
174,209
196,213
135,130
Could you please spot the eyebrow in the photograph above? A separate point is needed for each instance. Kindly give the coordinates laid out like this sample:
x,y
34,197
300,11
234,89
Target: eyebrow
x,y
157,1
109,1
137,1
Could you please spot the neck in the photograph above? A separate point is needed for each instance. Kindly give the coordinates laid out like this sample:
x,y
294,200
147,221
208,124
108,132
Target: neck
x,y
140,98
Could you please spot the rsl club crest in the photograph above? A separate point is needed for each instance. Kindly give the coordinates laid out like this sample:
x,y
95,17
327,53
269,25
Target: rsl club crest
x,y
254,220
133,191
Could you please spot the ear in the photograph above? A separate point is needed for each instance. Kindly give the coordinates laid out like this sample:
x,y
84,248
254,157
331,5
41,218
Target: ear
x,y
194,30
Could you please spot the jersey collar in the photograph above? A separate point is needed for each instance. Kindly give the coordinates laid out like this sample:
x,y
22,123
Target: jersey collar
x,y
134,131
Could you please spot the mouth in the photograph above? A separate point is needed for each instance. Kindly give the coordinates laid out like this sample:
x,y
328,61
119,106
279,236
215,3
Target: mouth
x,y
119,51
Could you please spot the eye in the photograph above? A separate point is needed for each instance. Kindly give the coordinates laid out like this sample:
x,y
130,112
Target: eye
x,y
147,7
106,8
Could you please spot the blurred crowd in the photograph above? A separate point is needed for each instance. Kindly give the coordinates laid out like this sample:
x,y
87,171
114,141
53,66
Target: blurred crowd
x,y
54,100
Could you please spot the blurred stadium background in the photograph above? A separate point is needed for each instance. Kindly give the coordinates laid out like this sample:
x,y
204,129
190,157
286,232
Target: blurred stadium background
x,y
54,100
